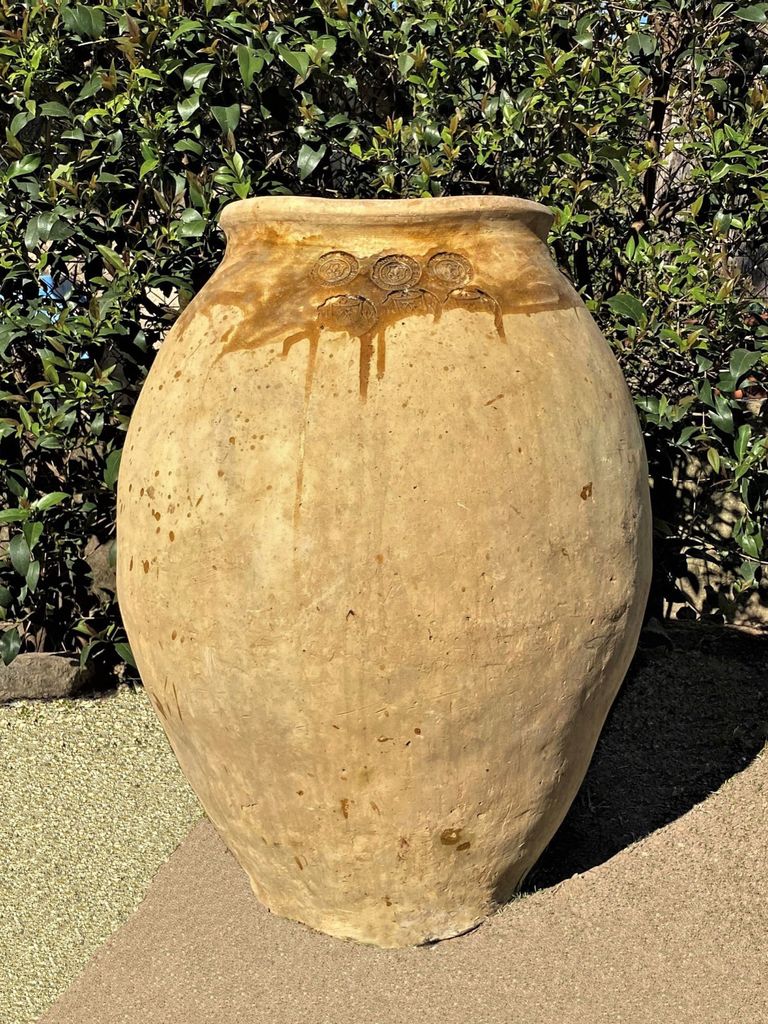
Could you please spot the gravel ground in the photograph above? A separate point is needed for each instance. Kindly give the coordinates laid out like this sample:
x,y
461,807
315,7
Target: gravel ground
x,y
70,771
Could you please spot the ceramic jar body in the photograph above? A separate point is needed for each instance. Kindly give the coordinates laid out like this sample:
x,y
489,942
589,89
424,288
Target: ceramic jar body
x,y
383,553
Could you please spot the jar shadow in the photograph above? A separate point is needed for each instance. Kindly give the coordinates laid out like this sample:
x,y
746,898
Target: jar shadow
x,y
693,711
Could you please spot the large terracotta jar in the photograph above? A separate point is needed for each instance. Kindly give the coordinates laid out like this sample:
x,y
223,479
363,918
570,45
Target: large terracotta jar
x,y
383,553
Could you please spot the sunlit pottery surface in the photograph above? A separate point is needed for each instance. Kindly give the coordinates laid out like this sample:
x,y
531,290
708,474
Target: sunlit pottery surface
x,y
383,553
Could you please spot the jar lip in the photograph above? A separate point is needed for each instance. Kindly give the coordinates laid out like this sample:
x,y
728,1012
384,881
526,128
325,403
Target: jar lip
x,y
319,210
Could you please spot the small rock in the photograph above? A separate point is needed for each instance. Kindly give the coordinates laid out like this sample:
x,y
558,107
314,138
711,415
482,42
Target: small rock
x,y
98,555
35,676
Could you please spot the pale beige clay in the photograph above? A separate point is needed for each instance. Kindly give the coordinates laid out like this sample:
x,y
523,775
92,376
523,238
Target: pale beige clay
x,y
384,548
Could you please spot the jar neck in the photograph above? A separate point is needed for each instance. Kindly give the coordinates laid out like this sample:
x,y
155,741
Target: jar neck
x,y
378,224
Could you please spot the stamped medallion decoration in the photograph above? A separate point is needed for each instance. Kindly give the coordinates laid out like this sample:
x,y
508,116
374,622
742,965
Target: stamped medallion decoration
x,y
450,268
444,283
336,268
364,295
411,301
395,272
352,313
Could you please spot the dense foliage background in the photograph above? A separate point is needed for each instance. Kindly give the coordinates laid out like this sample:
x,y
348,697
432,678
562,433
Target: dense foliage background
x,y
129,126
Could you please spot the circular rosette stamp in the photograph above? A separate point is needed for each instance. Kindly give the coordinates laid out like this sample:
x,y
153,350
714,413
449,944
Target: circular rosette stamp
x,y
336,267
450,269
395,272
410,302
352,313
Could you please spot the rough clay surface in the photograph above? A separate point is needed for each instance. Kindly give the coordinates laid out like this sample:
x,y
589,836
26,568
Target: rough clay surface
x,y
383,552
37,676
671,930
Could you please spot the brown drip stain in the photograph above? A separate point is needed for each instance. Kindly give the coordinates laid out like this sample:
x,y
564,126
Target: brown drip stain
x,y
381,354
301,866
308,379
375,807
366,356
145,565
345,807
343,293
362,296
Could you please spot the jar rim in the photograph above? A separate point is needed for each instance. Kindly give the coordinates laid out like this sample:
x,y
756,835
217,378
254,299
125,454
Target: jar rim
x,y
320,210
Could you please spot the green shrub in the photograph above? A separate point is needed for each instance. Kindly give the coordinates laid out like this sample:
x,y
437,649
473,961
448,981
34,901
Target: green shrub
x,y
128,127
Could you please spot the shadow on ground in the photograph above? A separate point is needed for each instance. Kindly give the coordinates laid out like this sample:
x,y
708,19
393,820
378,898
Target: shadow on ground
x,y
693,711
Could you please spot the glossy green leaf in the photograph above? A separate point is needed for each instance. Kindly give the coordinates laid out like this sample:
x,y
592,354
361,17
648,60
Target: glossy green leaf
x,y
742,360
196,76
112,468
124,651
85,21
186,108
722,415
298,60
309,159
25,165
49,500
641,43
13,515
191,224
113,259
752,12
10,644
227,117
741,444
33,575
249,63
32,532
53,109
628,307
18,549
46,227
